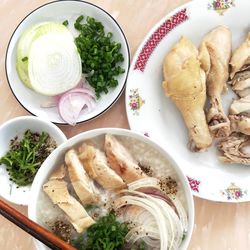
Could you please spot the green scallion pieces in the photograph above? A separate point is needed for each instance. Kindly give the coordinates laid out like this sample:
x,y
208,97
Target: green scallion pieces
x,y
100,54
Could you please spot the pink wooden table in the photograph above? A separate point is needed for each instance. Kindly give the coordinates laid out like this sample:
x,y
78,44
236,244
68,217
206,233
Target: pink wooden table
x,y
218,226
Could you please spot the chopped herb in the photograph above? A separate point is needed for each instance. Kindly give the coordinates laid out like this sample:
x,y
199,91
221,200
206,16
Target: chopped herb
x,y
90,207
24,59
141,246
106,234
100,55
184,236
66,23
26,156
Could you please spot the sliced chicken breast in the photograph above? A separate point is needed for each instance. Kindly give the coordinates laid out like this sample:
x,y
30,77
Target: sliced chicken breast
x,y
57,191
96,165
82,184
59,173
121,161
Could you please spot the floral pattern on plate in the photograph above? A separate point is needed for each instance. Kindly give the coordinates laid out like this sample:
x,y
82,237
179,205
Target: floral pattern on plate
x,y
135,101
220,6
194,184
233,192
157,36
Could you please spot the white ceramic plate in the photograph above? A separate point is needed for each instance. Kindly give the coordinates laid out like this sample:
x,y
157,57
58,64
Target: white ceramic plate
x,y
138,145
16,127
60,11
151,112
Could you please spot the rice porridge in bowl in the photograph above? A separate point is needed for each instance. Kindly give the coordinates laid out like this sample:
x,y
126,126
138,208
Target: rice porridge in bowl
x,y
113,188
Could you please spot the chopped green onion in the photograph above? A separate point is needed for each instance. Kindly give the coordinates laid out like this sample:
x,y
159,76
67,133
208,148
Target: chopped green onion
x,y
24,59
106,234
66,23
99,54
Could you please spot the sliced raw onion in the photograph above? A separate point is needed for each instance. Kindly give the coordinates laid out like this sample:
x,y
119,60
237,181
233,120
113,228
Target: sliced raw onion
x,y
83,90
139,232
169,226
23,48
54,64
150,207
181,212
160,195
144,182
73,102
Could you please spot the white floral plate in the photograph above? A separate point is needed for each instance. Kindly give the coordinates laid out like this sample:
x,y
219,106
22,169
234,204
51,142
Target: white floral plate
x,y
150,112
65,10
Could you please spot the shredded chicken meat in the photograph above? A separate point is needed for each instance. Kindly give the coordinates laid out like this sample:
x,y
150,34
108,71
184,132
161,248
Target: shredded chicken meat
x,y
233,149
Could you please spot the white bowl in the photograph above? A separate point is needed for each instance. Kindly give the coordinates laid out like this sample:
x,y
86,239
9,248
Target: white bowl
x,y
57,158
60,11
17,127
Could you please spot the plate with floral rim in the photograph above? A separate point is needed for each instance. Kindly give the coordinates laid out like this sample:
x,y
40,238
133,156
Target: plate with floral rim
x,y
150,112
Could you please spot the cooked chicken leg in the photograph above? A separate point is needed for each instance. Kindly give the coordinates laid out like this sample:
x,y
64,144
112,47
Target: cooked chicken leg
x,y
215,52
185,84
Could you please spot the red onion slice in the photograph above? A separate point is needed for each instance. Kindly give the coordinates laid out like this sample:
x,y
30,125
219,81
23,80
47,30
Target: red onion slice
x,y
73,102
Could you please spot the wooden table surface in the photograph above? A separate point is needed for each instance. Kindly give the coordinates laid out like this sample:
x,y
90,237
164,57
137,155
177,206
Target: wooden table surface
x,y
217,225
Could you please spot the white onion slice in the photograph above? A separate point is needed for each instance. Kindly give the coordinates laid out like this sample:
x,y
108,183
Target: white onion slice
x,y
172,221
144,182
165,216
150,207
181,212
23,48
139,232
54,64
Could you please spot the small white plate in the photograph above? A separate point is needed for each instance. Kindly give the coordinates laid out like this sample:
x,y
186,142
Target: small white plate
x,y
11,129
60,11
151,112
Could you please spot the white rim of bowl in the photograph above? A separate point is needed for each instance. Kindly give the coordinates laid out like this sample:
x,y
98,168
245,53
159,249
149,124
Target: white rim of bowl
x,y
28,117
